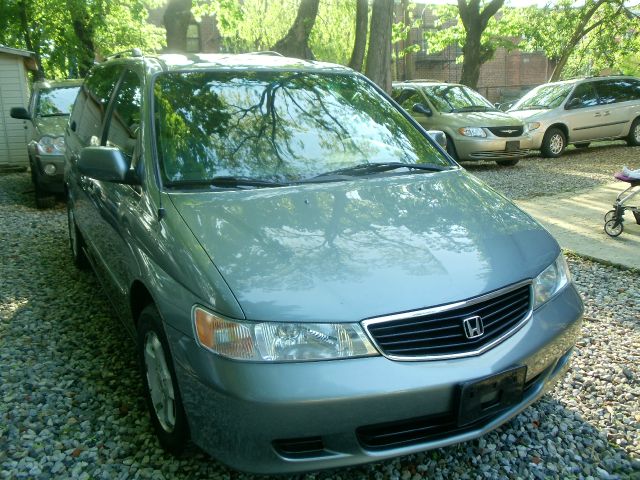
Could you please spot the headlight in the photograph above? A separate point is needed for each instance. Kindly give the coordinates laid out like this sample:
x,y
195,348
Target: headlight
x,y
279,342
531,126
472,132
550,281
51,145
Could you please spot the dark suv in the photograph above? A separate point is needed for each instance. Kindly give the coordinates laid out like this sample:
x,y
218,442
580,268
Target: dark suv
x,y
311,280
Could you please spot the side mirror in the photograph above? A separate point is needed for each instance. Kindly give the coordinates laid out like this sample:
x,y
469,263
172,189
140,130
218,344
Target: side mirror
x,y
439,136
20,113
575,102
421,108
107,164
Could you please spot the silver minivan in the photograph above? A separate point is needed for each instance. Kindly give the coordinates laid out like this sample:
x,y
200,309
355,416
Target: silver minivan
x,y
581,111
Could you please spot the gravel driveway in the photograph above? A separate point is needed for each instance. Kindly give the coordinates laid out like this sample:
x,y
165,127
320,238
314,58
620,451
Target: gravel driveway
x,y
71,397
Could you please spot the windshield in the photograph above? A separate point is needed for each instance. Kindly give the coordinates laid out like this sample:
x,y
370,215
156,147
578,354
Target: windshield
x,y
55,101
457,98
546,96
277,126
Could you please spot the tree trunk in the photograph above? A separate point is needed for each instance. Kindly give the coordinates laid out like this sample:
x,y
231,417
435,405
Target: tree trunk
x,y
31,46
474,22
176,19
296,42
379,53
83,27
578,34
360,43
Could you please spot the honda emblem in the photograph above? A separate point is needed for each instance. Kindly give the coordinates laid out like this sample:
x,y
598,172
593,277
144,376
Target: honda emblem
x,y
473,327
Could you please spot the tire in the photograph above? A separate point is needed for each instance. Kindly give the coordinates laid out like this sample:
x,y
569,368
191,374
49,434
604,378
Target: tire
x,y
160,385
451,149
508,163
553,143
44,199
582,145
76,242
633,140
612,228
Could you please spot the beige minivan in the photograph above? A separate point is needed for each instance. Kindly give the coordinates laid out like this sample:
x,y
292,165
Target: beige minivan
x,y
475,129
581,111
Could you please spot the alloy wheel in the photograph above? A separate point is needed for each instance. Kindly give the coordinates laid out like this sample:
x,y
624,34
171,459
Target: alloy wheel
x,y
556,144
159,382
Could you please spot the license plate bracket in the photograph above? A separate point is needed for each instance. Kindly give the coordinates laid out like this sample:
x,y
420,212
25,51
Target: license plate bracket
x,y
486,397
512,146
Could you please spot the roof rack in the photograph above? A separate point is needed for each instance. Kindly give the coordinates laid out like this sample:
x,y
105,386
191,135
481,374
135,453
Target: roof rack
x,y
266,52
134,52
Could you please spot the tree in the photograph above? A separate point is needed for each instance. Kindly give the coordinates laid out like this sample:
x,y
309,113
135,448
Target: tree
x,y
296,42
379,54
176,20
360,43
474,52
582,39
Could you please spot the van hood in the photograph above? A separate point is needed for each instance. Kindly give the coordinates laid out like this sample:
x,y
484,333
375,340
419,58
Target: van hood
x,y
346,251
527,115
484,119
53,126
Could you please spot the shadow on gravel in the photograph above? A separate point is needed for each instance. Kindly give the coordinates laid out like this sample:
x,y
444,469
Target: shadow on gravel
x,y
72,402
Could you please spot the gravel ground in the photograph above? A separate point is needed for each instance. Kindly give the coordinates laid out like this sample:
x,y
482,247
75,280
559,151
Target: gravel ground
x,y
71,398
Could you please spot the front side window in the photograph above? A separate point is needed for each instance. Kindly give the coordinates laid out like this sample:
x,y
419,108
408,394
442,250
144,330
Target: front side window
x,y
584,95
457,98
277,126
545,97
409,98
56,101
124,124
94,98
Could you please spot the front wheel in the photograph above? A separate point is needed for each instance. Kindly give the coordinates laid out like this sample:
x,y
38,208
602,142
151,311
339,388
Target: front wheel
x,y
553,143
633,139
160,385
610,215
76,242
508,163
613,228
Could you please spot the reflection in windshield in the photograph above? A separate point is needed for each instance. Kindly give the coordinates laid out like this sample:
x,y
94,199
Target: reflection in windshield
x,y
277,126
548,96
56,101
456,98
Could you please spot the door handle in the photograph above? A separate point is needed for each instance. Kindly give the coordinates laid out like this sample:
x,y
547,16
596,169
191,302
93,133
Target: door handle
x,y
606,113
597,115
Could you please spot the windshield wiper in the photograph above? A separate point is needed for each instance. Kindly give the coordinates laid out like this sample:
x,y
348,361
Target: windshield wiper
x,y
476,108
369,168
226,182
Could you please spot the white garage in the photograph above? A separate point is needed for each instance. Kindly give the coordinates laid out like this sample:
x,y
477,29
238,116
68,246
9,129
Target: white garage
x,y
14,92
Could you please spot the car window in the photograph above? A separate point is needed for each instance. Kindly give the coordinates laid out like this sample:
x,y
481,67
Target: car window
x,y
586,95
409,98
55,101
93,99
618,90
277,126
457,98
124,122
544,97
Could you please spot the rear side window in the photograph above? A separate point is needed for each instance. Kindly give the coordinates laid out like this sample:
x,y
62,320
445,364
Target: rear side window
x,y
124,123
618,90
91,106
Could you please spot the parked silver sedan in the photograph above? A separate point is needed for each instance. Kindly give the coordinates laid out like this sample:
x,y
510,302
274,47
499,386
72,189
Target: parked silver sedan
x,y
311,281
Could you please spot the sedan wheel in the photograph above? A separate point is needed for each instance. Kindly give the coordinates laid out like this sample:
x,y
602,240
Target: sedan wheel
x,y
159,382
634,133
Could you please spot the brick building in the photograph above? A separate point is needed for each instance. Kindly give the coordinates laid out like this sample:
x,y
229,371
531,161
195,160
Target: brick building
x,y
505,77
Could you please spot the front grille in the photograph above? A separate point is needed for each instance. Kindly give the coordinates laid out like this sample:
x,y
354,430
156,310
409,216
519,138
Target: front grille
x,y
499,154
507,131
440,332
424,429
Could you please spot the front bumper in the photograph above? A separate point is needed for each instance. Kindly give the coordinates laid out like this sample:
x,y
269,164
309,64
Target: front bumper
x,y
491,147
285,418
53,183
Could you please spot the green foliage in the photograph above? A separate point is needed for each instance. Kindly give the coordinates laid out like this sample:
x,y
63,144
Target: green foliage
x,y
109,27
605,47
400,31
448,30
